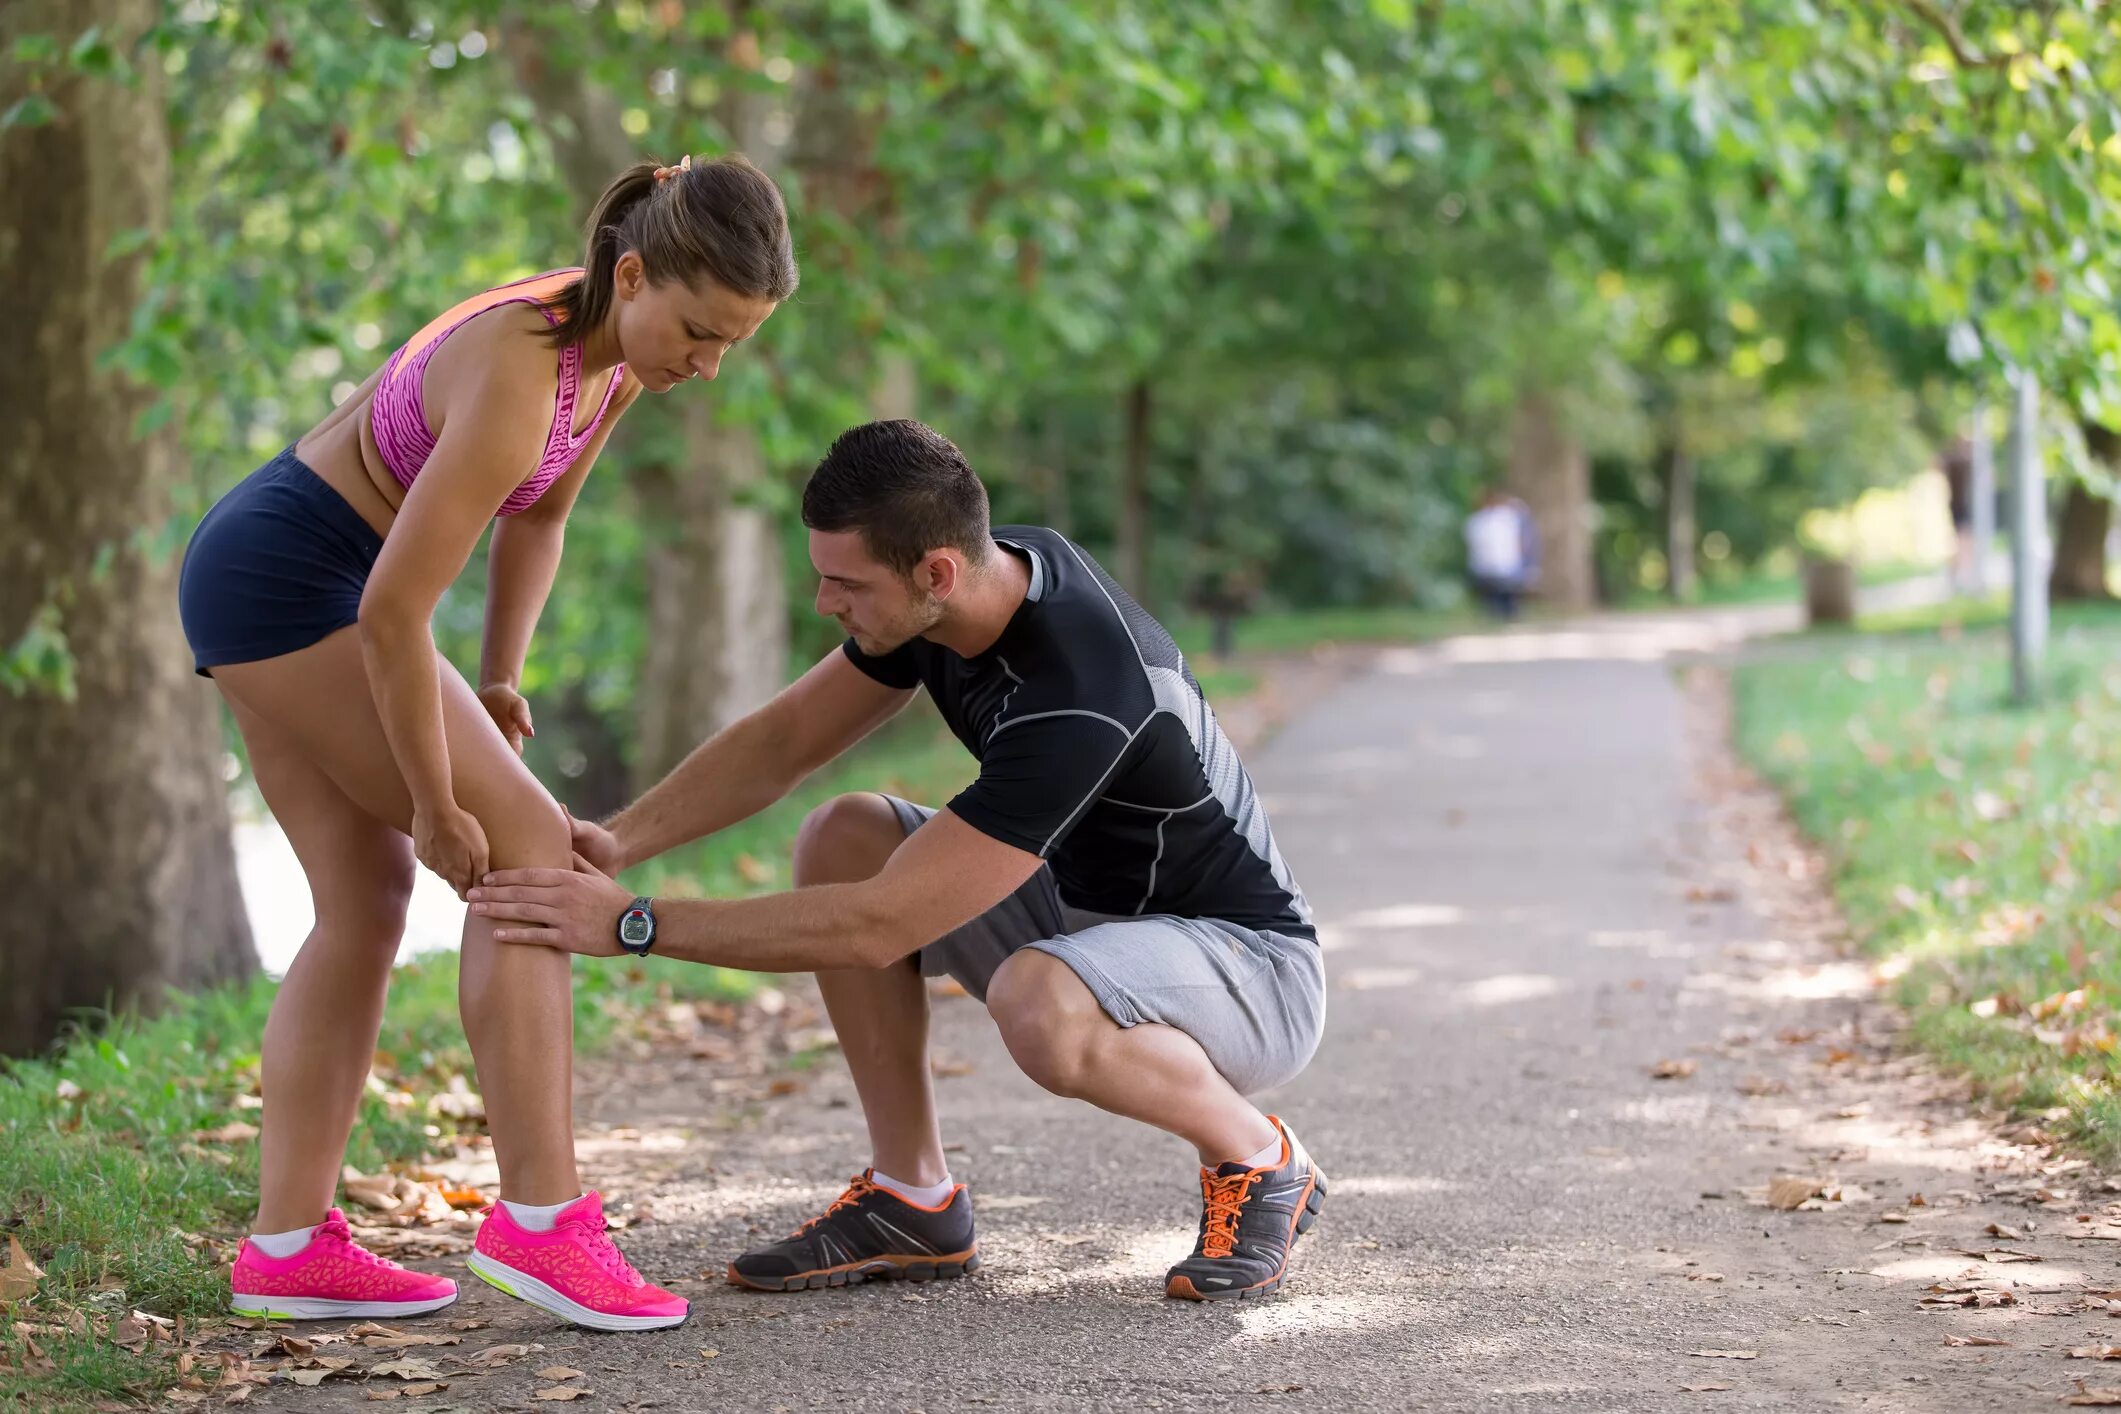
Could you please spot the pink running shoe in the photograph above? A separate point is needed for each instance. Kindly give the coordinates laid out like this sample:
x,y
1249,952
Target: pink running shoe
x,y
333,1276
574,1271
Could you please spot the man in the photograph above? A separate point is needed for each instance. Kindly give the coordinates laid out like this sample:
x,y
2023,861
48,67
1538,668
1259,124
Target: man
x,y
1108,885
1502,551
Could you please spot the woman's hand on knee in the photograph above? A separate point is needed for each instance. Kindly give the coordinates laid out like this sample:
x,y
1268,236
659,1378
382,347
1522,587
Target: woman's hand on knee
x,y
452,842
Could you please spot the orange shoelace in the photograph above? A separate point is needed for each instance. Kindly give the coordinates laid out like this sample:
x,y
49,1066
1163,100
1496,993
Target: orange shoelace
x,y
857,1189
1225,1198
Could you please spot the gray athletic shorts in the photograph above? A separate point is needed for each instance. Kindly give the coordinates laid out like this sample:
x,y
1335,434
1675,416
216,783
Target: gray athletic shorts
x,y
1256,1001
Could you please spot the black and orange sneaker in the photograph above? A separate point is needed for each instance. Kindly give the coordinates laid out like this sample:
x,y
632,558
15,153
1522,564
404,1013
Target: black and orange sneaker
x,y
1249,1221
867,1232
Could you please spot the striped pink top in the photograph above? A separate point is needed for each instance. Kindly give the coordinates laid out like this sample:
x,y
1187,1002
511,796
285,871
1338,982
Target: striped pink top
x,y
399,420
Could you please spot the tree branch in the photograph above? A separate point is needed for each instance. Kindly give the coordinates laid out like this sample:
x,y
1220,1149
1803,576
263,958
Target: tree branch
x,y
1945,25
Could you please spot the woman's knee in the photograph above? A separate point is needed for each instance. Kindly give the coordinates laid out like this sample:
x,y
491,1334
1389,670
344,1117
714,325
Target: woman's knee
x,y
847,838
528,831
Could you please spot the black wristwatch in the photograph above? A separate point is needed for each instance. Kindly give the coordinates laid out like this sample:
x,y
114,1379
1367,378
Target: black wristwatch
x,y
637,928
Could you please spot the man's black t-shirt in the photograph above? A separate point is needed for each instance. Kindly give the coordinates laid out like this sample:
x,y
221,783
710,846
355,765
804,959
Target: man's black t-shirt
x,y
1098,753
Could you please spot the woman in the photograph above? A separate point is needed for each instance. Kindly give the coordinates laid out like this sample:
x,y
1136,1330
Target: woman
x,y
306,594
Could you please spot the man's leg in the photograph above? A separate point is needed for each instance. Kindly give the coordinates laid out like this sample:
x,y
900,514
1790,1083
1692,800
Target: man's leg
x,y
879,1014
1259,1189
882,1226
1062,1039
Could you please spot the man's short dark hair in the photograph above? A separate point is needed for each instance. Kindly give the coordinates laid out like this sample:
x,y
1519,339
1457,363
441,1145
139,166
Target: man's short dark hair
x,y
905,487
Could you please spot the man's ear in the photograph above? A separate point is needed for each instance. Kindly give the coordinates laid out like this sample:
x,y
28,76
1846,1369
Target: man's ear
x,y
940,573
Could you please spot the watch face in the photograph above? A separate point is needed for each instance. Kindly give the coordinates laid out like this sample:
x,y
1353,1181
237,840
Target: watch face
x,y
633,928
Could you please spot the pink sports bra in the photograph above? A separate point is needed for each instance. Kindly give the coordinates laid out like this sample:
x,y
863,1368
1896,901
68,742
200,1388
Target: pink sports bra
x,y
399,421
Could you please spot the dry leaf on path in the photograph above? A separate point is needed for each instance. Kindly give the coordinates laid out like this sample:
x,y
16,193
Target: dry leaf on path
x,y
384,1393
2096,1352
1787,1193
1973,1340
709,1354
18,1279
559,1372
1674,1069
1697,1389
2009,1233
2091,1394
562,1392
406,1370
1726,1354
415,1391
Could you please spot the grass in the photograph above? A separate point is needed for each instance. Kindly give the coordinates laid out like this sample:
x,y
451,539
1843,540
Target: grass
x,y
1292,631
1976,845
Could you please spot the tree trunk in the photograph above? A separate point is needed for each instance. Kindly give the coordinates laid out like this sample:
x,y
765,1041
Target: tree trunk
x,y
717,603
717,600
1132,522
2079,571
1680,531
121,874
1550,473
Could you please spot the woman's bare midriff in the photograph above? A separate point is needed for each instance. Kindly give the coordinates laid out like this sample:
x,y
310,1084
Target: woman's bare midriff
x,y
341,450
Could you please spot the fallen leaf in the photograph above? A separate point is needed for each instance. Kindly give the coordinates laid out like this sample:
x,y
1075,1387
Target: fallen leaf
x,y
1697,1389
295,1345
1999,1230
1674,1069
473,1324
1704,1276
310,1378
1726,1354
562,1392
1787,1193
1278,1389
432,1387
2096,1352
2088,1394
384,1393
18,1279
1893,1217
709,1354
368,1328
559,1372
187,1396
406,1369
234,1132
1973,1340
497,1354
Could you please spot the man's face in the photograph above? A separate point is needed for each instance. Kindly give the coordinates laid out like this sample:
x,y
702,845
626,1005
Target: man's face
x,y
879,608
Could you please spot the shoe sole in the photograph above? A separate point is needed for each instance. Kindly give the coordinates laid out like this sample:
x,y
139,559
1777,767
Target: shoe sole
x,y
1306,1218
526,1288
317,1308
872,1269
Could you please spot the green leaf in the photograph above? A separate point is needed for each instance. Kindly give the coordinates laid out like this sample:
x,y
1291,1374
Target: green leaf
x,y
31,111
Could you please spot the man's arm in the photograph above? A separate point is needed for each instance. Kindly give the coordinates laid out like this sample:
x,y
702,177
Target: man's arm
x,y
753,762
945,875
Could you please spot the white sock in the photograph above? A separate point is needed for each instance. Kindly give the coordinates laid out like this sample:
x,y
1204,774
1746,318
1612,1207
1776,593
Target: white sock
x,y
537,1217
1266,1158
282,1245
913,1193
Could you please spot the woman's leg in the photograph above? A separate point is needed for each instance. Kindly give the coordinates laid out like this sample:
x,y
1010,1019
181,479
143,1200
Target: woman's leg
x,y
320,1040
516,1001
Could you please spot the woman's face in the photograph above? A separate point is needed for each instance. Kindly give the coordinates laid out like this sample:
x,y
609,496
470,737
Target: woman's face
x,y
671,333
